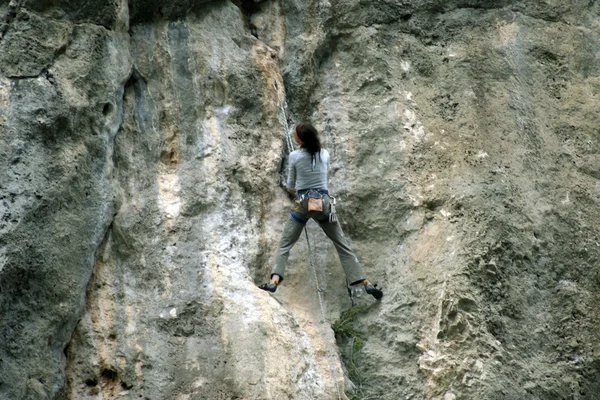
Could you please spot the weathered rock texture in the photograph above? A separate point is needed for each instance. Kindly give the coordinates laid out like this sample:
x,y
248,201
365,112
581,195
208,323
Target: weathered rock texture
x,y
142,146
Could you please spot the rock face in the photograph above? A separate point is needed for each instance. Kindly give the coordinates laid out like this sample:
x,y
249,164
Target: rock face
x,y
143,144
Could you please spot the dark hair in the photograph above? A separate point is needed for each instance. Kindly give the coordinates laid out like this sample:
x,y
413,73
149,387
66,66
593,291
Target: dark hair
x,y
310,138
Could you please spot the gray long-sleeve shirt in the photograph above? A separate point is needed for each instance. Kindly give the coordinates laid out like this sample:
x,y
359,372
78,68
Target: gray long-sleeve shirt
x,y
301,174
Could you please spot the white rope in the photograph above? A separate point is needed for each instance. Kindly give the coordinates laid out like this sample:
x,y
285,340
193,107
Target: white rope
x,y
288,135
319,291
283,119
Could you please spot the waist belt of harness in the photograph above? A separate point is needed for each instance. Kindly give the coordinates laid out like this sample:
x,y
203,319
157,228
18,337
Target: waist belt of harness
x,y
311,193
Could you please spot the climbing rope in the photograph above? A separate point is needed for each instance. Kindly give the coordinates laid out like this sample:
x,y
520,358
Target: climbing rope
x,y
290,145
283,118
319,294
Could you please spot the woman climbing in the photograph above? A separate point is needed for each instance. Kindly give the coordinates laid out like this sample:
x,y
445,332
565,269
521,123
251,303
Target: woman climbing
x,y
307,180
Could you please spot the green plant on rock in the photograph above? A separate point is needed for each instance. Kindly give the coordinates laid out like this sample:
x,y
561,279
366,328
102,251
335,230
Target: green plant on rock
x,y
351,343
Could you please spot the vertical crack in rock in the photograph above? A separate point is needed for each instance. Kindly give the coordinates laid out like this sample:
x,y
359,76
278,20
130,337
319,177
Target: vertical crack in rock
x,y
96,329
248,9
267,26
98,366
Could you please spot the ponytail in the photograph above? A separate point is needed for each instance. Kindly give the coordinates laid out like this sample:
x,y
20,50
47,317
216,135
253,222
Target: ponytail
x,y
310,140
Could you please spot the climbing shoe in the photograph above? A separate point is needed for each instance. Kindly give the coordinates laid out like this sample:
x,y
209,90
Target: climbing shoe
x,y
269,287
372,290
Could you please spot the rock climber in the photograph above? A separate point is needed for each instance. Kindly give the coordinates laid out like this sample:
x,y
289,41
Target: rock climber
x,y
307,181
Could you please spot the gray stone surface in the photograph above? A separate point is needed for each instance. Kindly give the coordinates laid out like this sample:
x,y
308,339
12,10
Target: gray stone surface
x,y
58,194
142,145
474,123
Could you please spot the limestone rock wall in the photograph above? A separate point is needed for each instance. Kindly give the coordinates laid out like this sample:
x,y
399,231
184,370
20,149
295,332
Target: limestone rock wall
x,y
143,144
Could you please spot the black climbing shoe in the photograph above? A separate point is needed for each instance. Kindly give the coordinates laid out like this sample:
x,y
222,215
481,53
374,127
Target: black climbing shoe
x,y
269,287
372,290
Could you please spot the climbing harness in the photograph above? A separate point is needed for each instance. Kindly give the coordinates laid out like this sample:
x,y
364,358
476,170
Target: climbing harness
x,y
313,195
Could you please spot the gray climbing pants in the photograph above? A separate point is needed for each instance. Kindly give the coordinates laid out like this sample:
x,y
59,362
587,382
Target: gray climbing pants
x,y
299,216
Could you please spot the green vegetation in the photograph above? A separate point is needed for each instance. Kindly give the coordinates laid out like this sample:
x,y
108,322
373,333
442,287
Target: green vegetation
x,y
351,343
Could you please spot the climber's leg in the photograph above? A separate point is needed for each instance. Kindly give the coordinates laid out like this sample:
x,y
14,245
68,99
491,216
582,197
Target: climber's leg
x,y
289,237
352,268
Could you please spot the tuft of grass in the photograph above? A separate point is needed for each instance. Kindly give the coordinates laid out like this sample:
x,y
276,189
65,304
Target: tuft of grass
x,y
350,341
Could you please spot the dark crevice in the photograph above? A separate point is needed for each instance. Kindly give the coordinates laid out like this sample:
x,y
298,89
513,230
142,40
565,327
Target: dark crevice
x,y
107,109
109,375
21,77
249,8
138,83
135,77
43,73
143,11
91,382
126,386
